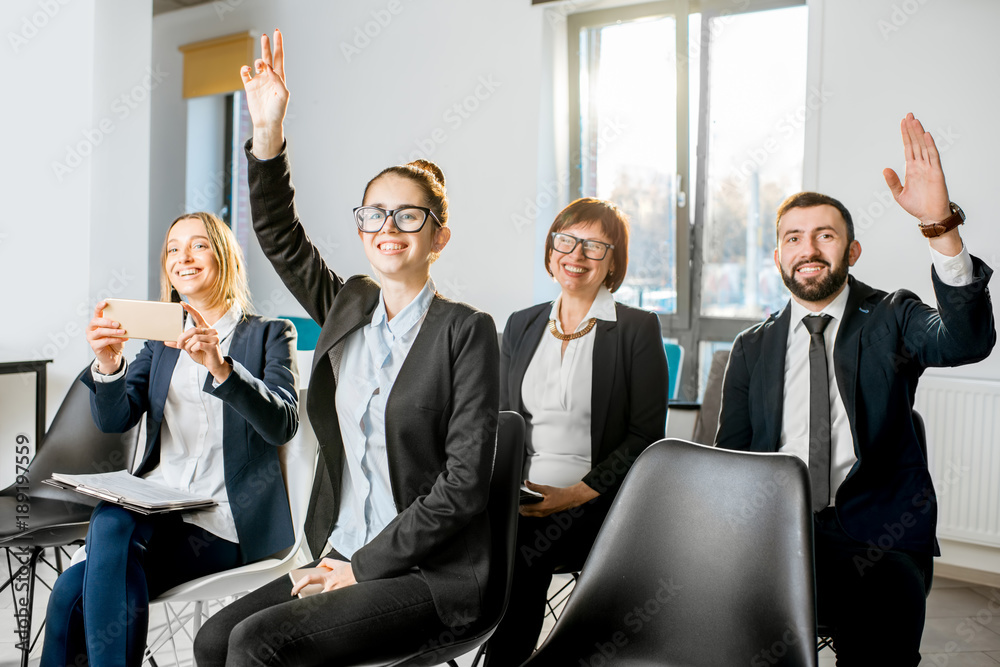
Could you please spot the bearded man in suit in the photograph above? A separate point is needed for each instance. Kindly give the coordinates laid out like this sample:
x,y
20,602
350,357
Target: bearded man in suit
x,y
831,378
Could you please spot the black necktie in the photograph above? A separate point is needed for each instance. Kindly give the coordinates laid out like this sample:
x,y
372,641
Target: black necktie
x,y
819,412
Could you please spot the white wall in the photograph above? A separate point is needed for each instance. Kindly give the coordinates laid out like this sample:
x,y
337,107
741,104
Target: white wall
x,y
878,62
76,177
391,99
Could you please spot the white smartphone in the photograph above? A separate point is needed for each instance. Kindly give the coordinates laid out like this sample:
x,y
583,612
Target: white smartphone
x,y
149,320
311,589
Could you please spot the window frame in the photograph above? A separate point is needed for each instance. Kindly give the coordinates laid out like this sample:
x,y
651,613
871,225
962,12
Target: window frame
x,y
687,325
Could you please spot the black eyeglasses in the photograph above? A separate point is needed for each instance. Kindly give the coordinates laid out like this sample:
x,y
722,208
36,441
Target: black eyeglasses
x,y
407,219
566,243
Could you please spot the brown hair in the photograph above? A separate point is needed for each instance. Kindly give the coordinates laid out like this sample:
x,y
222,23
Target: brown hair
x,y
809,200
231,282
429,178
614,224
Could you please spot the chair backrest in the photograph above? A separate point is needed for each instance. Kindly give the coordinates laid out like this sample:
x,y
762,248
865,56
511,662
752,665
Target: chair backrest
x,y
711,404
298,465
705,558
505,485
675,365
307,331
74,445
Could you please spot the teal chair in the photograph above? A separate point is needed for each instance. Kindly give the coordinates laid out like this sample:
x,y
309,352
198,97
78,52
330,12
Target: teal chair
x,y
307,329
675,363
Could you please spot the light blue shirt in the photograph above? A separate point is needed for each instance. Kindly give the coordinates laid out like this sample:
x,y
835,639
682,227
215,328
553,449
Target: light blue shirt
x,y
372,358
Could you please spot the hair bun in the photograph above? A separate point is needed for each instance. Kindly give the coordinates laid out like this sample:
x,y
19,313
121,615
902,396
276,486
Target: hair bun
x,y
429,166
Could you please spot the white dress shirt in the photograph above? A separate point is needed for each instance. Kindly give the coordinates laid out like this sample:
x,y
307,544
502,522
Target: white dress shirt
x,y
191,452
955,271
556,392
371,361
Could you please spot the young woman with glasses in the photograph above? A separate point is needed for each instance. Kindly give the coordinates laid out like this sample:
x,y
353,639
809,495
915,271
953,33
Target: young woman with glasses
x,y
403,398
589,375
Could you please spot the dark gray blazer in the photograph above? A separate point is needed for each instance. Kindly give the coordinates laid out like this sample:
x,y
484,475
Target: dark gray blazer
x,y
629,387
441,417
883,346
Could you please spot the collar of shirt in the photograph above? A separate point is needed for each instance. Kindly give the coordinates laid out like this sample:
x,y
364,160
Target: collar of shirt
x,y
405,319
226,324
834,309
603,308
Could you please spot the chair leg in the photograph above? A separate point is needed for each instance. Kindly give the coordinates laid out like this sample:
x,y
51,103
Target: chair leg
x,y
196,623
479,655
25,633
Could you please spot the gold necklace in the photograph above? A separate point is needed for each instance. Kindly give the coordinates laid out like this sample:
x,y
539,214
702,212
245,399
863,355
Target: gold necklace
x,y
573,336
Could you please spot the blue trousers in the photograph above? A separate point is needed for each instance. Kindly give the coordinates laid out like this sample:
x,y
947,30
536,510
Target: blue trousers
x,y
98,612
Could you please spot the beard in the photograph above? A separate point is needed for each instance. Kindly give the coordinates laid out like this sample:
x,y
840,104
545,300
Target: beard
x,y
824,288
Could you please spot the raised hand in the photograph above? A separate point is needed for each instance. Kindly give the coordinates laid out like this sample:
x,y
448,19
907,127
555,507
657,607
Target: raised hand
x,y
267,96
924,194
105,340
201,342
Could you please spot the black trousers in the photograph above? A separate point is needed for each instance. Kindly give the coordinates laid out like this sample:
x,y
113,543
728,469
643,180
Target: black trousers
x,y
361,624
874,599
560,541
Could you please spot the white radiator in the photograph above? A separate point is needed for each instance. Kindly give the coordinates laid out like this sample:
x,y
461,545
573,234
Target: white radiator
x,y
963,438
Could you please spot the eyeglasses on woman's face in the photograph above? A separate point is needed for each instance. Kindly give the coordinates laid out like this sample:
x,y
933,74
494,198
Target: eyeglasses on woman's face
x,y
408,219
566,243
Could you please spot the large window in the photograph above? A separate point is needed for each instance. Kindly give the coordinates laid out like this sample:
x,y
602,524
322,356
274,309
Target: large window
x,y
690,115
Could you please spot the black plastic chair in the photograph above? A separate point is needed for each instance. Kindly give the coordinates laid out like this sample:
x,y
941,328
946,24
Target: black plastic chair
x,y
502,508
704,559
55,517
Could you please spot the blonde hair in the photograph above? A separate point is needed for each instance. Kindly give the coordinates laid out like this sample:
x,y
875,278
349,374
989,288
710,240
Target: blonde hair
x,y
231,281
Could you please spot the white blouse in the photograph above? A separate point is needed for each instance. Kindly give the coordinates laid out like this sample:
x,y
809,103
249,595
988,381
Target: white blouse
x,y
191,457
556,392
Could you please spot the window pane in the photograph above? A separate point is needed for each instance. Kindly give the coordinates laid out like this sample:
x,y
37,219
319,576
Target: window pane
x,y
758,108
628,114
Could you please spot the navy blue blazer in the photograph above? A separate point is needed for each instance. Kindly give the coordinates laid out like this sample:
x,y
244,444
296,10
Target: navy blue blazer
x,y
884,343
629,386
260,413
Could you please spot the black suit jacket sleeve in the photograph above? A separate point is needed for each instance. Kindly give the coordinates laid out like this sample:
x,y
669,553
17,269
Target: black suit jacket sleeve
x,y
286,244
959,331
735,430
646,379
426,527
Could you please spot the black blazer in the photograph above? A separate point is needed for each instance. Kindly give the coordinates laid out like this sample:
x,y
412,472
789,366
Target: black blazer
x,y
441,417
883,346
629,389
260,413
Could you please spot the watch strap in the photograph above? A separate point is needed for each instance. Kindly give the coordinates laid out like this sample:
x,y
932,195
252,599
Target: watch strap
x,y
935,229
